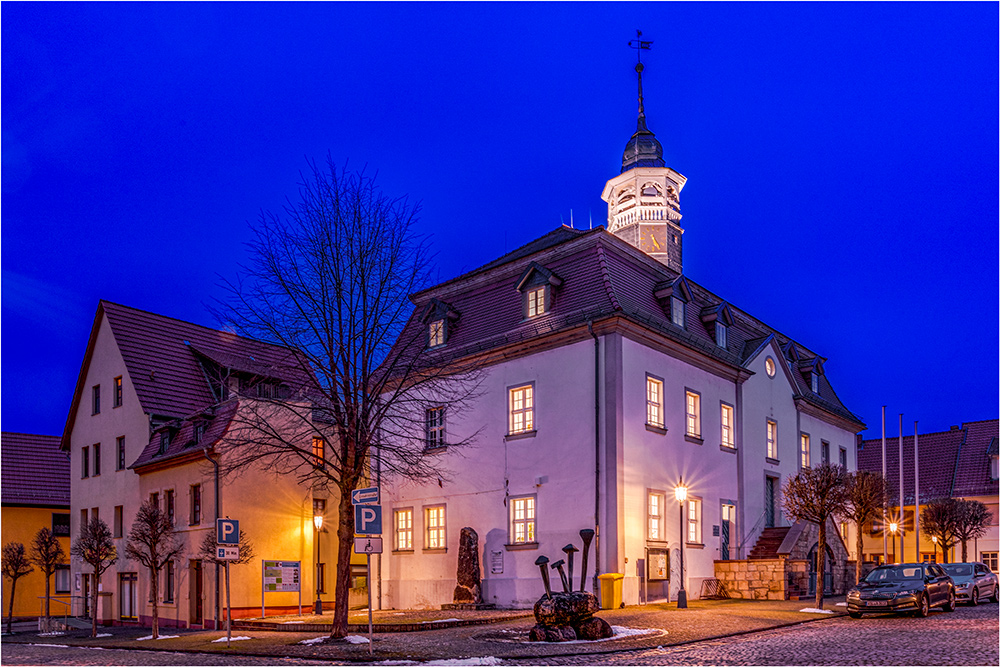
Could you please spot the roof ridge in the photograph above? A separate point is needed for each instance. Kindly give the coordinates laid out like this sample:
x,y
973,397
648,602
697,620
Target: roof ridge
x,y
34,435
606,277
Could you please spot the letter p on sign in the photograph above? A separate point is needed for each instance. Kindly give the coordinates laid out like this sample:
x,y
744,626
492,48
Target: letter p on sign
x,y
368,519
227,531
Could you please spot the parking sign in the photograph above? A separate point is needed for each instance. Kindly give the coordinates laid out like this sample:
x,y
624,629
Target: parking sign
x,y
227,531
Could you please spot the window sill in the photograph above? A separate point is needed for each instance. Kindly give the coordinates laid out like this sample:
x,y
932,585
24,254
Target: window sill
x,y
519,436
403,551
694,545
435,450
436,550
773,462
653,428
695,439
521,546
727,448
657,543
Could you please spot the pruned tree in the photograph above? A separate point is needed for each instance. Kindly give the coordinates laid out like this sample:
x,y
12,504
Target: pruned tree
x,y
867,494
209,553
939,519
47,553
972,520
153,542
15,564
815,495
330,278
95,547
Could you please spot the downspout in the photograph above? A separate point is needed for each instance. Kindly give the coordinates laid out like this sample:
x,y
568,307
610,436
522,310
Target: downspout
x,y
597,452
218,607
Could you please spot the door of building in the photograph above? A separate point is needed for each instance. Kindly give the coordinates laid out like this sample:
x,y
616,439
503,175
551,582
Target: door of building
x,y
827,571
86,595
197,594
728,519
128,596
769,497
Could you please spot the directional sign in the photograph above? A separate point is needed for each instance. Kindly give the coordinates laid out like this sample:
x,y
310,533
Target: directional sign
x,y
227,553
227,531
368,519
367,496
367,545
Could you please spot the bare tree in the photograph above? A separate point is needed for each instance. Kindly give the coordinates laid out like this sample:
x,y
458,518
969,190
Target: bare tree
x,y
971,521
815,495
209,552
95,547
152,542
15,565
939,519
867,493
47,553
331,279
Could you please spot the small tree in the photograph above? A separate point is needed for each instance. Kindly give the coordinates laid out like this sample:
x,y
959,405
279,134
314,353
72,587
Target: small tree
x,y
95,547
15,565
47,553
939,519
971,521
815,495
867,494
152,542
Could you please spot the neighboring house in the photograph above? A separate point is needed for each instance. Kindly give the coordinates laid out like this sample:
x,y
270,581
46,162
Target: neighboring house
x,y
154,397
610,376
958,463
34,483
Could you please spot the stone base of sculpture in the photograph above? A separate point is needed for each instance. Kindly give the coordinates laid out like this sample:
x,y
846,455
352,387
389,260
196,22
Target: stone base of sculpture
x,y
568,616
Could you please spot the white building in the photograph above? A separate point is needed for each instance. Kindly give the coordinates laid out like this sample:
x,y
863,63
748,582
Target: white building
x,y
610,377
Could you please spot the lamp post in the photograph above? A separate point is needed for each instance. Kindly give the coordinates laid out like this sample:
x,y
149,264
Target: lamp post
x,y
681,494
934,540
318,522
892,528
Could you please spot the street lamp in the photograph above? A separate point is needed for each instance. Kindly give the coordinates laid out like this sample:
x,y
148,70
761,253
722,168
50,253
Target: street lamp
x,y
681,493
934,540
892,527
318,522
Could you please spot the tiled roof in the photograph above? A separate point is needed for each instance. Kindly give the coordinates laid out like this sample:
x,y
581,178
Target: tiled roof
x,y
34,470
182,435
952,463
602,276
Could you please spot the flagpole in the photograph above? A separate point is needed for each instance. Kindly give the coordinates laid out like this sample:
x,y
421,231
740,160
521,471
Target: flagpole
x,y
916,487
885,537
902,511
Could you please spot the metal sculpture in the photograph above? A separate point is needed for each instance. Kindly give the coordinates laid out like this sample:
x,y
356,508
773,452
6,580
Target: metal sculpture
x,y
587,535
569,550
558,565
541,562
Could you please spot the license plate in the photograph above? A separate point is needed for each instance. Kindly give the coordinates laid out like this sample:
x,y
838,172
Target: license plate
x,y
877,603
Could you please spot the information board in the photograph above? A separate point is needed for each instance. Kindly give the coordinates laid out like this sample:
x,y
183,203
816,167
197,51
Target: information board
x,y
282,576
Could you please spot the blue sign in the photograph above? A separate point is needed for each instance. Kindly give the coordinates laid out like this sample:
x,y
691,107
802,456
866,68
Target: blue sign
x,y
368,519
227,531
367,496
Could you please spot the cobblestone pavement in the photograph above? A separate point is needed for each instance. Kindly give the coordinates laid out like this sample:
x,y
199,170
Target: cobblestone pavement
x,y
967,636
33,654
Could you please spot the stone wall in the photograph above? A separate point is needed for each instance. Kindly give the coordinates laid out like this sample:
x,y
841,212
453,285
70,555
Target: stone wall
x,y
753,579
806,538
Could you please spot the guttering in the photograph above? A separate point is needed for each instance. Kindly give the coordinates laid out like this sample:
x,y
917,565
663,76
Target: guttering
x,y
597,451
218,603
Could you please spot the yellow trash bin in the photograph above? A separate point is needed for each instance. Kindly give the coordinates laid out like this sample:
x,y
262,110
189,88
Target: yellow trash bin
x,y
611,590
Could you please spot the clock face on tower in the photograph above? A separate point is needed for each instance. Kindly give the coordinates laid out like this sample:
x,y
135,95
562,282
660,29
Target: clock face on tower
x,y
653,238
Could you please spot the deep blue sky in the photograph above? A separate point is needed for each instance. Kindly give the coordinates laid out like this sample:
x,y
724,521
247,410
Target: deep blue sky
x,y
842,162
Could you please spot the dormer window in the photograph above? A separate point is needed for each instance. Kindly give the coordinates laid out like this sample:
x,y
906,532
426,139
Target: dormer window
x,y
535,301
435,333
721,333
537,284
673,297
677,311
199,432
439,318
995,467
814,382
164,443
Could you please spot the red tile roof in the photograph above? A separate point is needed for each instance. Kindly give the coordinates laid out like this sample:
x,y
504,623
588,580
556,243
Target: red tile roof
x,y
182,442
953,463
34,470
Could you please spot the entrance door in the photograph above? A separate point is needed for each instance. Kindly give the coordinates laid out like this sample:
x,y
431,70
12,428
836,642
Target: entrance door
x,y
197,594
128,596
769,496
728,519
827,571
86,595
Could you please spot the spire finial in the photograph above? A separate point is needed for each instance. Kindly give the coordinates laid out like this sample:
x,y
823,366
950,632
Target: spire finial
x,y
639,45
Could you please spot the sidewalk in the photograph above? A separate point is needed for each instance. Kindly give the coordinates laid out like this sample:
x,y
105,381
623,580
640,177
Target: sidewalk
x,y
475,634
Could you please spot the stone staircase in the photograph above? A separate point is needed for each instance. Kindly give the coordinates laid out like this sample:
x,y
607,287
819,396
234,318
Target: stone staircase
x,y
768,543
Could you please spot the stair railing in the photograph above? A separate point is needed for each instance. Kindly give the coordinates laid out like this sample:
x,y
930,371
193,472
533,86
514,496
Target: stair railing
x,y
752,533
43,621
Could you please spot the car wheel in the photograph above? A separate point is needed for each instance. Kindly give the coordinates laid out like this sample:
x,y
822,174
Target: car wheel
x,y
923,606
996,593
854,614
950,604
974,597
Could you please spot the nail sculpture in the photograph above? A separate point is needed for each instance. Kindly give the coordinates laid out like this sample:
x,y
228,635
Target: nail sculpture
x,y
541,562
569,550
558,565
587,535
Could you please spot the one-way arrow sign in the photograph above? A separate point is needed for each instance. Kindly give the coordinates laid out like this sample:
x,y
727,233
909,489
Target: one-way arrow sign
x,y
369,496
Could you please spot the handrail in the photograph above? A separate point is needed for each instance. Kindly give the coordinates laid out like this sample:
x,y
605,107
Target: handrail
x,y
42,618
753,529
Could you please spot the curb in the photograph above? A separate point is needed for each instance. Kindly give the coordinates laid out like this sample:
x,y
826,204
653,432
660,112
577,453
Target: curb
x,y
383,627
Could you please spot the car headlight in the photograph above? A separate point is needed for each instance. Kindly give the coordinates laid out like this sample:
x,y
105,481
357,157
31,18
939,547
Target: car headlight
x,y
965,585
903,594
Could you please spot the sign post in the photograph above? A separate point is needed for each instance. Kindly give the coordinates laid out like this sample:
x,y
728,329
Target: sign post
x,y
368,522
227,534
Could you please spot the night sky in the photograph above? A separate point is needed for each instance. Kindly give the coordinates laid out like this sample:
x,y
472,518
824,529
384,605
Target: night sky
x,y
841,159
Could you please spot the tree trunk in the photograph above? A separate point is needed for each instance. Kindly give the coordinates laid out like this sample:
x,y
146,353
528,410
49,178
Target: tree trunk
x,y
861,557
93,607
820,562
345,540
10,614
154,588
965,551
48,616
944,553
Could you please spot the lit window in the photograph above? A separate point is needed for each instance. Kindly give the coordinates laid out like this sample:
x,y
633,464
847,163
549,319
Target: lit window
x,y
843,530
118,392
521,409
728,439
769,367
319,453
694,521
522,520
434,421
804,450
435,333
85,461
720,334
120,459
654,513
195,493
654,402
403,522
677,311
95,399
535,301
693,414
434,528
772,439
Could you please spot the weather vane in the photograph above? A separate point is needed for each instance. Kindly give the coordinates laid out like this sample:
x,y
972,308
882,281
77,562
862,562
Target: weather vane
x,y
639,45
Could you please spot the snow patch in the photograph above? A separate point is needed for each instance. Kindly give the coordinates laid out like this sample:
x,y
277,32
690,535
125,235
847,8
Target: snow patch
x,y
813,610
841,604
443,620
619,632
55,633
142,639
484,662
235,639
356,639
398,662
292,622
51,645
314,640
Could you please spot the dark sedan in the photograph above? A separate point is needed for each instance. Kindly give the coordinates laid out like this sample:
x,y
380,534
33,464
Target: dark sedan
x,y
973,582
910,587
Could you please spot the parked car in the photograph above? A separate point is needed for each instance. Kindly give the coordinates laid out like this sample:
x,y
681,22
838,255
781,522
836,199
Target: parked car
x,y
909,587
973,582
